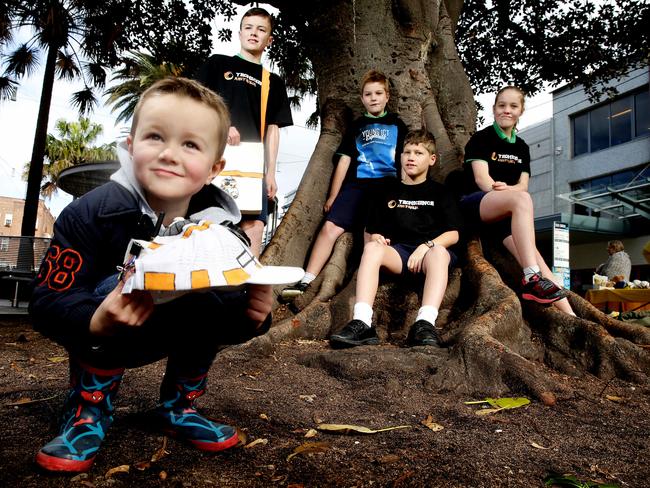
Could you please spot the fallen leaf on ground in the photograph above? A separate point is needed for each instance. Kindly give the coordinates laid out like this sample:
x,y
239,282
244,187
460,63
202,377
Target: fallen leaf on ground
x,y
311,433
308,448
162,475
243,437
428,422
29,401
263,416
613,398
538,446
256,442
142,465
308,398
506,402
500,404
295,485
57,359
389,459
355,429
124,468
160,453
487,411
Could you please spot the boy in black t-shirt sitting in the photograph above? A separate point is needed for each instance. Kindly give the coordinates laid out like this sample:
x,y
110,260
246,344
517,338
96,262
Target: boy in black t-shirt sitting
x,y
412,225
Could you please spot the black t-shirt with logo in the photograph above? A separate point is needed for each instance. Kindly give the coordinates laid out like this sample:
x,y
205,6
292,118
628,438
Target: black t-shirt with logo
x,y
506,160
413,214
239,82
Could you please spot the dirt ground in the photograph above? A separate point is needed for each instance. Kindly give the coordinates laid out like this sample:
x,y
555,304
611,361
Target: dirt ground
x,y
602,434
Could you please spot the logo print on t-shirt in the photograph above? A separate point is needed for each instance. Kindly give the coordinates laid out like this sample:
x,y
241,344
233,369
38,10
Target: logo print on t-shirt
x,y
494,156
392,204
228,75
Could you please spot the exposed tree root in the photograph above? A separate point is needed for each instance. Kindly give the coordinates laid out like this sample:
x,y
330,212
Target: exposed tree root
x,y
493,345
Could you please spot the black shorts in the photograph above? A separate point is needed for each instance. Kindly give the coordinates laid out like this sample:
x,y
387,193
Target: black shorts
x,y
350,208
405,251
497,231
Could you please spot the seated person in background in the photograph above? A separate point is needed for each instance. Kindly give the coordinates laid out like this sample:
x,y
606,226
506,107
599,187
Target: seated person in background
x,y
497,198
368,152
412,224
618,263
175,149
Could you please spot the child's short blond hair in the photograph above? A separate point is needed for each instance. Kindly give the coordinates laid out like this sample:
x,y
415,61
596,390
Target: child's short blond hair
x,y
184,87
375,76
421,136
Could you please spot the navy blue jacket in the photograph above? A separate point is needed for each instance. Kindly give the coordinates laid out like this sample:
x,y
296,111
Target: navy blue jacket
x,y
90,239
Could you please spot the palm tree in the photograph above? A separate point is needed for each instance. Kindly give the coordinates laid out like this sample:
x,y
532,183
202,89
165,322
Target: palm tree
x,y
65,31
139,72
73,145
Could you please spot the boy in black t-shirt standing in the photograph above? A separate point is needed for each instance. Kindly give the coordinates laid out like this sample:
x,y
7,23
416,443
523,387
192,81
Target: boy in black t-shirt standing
x,y
238,79
412,224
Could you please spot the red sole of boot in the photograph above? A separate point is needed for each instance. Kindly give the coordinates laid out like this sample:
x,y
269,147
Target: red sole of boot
x,y
51,463
206,446
216,446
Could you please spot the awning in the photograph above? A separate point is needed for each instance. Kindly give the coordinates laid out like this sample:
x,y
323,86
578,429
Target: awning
x,y
623,201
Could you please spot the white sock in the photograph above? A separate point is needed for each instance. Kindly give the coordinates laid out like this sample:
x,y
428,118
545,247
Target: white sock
x,y
363,312
530,271
308,278
428,313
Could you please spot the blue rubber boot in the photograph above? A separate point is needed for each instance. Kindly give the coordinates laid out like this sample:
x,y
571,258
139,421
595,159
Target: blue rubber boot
x,y
87,415
179,418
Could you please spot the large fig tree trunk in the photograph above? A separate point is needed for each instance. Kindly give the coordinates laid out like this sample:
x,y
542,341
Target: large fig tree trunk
x,y
495,342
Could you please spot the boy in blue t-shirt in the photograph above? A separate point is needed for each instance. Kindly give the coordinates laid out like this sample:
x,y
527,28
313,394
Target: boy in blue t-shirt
x,y
367,158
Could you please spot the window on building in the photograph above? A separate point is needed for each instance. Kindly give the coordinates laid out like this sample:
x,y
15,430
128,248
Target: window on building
x,y
611,124
642,113
4,244
621,120
9,219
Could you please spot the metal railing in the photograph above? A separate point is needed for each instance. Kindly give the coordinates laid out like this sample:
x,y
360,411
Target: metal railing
x,y
22,254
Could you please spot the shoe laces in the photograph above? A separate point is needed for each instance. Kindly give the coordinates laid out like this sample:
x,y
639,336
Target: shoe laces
x,y
357,326
544,283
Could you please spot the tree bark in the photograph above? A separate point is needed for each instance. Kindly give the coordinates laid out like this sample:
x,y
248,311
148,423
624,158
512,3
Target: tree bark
x,y
495,342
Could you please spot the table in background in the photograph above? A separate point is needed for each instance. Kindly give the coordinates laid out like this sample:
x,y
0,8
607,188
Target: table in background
x,y
621,299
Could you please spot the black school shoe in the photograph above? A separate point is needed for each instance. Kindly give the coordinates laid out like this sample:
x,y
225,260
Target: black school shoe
x,y
356,333
423,333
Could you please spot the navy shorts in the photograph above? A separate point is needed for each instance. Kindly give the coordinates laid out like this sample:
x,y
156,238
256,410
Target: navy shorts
x,y
405,251
350,208
493,231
